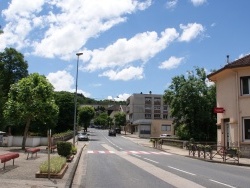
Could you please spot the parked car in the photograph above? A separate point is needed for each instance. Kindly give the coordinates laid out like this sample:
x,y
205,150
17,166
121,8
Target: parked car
x,y
83,137
165,135
112,132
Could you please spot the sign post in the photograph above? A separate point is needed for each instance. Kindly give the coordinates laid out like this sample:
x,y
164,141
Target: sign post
x,y
219,110
49,146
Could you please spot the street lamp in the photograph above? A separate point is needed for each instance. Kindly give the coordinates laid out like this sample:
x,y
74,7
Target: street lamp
x,y
74,134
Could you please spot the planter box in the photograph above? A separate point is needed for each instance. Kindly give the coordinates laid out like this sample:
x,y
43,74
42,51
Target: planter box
x,y
54,176
69,159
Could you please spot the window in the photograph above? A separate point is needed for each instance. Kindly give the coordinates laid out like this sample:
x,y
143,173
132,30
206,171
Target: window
x,y
165,108
148,100
165,116
166,127
145,129
147,116
157,101
246,129
157,116
245,85
147,109
157,109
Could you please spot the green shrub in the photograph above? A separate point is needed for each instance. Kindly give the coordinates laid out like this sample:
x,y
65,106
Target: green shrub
x,y
74,150
56,165
59,135
64,148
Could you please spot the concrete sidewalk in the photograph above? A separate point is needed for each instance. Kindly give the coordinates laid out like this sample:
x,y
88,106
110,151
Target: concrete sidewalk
x,y
184,152
22,174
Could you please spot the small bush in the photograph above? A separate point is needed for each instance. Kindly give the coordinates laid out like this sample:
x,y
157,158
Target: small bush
x,y
56,165
74,150
64,148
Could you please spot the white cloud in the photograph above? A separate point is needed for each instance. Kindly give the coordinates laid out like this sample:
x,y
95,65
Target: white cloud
x,y
123,52
198,2
63,81
120,97
16,32
171,4
125,74
191,31
171,63
62,32
213,24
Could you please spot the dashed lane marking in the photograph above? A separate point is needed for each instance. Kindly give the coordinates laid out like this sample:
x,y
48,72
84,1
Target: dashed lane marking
x,y
127,152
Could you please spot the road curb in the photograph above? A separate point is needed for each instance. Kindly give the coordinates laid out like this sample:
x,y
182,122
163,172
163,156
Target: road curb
x,y
73,171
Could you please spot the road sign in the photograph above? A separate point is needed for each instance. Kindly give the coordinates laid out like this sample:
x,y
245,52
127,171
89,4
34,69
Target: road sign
x,y
219,110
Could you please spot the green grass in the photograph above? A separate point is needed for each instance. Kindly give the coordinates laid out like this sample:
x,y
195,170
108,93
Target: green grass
x,y
56,165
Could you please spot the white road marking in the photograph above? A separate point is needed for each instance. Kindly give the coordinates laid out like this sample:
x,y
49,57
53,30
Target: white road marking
x,y
128,152
222,183
165,153
137,155
151,160
157,153
163,175
182,171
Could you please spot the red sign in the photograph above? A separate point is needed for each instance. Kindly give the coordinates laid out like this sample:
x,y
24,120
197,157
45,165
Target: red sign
x,y
219,110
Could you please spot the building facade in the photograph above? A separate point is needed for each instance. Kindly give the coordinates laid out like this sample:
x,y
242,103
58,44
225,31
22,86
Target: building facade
x,y
146,113
233,104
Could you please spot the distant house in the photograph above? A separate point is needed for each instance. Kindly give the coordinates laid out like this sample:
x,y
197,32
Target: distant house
x,y
115,109
148,116
233,104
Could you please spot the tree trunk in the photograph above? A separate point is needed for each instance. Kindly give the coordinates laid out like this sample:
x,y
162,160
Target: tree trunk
x,y
26,129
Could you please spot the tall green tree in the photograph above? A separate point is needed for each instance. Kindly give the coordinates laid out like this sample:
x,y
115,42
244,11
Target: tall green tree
x,y
191,102
31,99
120,119
13,67
65,102
85,115
102,119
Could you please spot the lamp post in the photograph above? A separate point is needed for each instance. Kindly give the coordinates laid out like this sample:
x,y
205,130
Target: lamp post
x,y
74,134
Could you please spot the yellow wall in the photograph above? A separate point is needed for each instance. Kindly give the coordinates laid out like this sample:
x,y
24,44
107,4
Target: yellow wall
x,y
156,127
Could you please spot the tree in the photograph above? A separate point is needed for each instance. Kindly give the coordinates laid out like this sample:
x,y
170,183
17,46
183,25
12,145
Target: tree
x,y
102,119
85,115
13,67
31,99
191,102
65,102
120,119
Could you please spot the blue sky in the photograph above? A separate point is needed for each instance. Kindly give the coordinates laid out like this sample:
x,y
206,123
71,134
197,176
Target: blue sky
x,y
128,46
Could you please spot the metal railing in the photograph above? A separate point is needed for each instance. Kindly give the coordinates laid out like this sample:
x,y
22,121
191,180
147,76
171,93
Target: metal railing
x,y
215,152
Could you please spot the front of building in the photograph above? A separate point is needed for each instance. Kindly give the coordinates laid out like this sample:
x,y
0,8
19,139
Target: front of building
x,y
148,116
233,104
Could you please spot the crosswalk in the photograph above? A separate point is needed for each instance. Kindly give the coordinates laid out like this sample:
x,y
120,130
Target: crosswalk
x,y
127,152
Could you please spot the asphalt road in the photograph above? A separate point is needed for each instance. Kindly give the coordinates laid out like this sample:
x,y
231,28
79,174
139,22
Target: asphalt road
x,y
111,162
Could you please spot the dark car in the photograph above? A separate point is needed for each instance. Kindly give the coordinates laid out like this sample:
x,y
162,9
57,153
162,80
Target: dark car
x,y
112,132
83,137
118,130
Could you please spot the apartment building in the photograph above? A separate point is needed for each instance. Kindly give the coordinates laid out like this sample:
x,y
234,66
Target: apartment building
x,y
147,115
233,104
